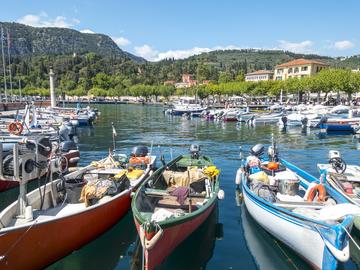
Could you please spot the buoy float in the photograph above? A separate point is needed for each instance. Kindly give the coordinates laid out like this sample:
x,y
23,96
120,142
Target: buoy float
x,y
238,176
320,189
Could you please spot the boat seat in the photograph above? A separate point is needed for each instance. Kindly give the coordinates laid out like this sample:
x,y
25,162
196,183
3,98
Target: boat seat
x,y
162,192
291,205
171,202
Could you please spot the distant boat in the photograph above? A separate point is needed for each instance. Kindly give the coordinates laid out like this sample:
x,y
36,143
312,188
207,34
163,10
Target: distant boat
x,y
173,202
313,229
187,105
63,215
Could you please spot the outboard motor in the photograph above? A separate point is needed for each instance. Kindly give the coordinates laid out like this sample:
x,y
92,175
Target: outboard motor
x,y
323,120
140,151
284,120
257,150
64,133
304,121
195,151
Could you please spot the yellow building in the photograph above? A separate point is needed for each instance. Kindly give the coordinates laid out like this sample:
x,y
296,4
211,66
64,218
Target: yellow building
x,y
298,68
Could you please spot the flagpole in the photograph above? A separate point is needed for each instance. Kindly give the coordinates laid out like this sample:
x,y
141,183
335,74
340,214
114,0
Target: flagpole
x,y
3,60
8,51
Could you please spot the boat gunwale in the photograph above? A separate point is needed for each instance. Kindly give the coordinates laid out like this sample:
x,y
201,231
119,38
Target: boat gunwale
x,y
54,218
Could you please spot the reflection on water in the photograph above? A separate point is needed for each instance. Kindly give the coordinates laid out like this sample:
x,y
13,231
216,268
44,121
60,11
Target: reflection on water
x,y
106,252
138,124
268,252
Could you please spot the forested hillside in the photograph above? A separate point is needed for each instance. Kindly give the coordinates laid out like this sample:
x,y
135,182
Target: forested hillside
x,y
93,63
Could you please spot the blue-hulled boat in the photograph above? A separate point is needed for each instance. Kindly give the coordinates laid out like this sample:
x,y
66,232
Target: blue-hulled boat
x,y
284,201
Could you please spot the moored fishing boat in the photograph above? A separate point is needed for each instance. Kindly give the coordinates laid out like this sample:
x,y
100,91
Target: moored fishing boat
x,y
173,202
311,218
64,214
343,178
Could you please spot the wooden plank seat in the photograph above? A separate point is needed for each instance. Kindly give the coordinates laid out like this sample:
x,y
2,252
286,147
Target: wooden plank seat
x,y
171,202
162,192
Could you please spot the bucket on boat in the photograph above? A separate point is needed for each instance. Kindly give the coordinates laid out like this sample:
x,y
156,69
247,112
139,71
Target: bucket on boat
x,y
289,186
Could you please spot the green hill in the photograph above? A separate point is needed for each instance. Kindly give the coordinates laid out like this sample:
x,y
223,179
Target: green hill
x,y
35,41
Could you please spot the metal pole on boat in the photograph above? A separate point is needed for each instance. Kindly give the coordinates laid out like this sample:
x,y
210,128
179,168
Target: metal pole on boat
x,y
52,89
22,188
3,60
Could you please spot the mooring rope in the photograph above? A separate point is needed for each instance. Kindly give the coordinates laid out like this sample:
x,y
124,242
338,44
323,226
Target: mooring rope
x,y
2,257
352,239
287,257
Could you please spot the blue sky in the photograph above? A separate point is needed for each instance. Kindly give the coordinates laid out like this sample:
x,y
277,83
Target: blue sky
x,y
156,29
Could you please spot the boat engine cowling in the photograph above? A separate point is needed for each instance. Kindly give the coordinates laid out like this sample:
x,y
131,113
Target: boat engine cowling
x,y
195,151
257,150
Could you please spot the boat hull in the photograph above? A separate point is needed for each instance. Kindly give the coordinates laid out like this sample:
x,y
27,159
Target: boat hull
x,y
304,240
172,236
39,245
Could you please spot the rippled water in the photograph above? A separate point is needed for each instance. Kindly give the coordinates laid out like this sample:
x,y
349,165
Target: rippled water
x,y
244,245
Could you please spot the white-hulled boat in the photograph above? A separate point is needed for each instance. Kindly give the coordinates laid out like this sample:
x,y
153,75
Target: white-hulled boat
x,y
187,105
316,230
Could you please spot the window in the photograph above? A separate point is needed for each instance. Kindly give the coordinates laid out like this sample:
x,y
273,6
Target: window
x,y
296,70
279,71
290,70
304,68
278,78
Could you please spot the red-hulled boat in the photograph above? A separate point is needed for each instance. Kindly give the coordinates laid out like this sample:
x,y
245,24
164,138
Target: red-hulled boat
x,y
172,203
67,213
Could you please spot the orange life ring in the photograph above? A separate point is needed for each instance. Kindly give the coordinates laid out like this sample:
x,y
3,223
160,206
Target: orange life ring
x,y
319,188
15,128
139,160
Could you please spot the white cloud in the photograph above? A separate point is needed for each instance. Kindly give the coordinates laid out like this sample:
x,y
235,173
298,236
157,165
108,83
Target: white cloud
x,y
151,54
87,31
43,20
300,47
121,41
147,52
343,45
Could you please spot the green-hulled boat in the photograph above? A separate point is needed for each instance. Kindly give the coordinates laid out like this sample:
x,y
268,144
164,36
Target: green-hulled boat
x,y
173,202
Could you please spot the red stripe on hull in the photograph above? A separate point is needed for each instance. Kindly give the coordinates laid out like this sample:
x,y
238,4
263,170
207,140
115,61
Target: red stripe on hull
x,y
171,238
44,243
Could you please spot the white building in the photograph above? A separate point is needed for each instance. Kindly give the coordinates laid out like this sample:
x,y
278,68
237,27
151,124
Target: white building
x,y
259,75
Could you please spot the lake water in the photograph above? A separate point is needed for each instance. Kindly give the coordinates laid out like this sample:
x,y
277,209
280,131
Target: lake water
x,y
243,245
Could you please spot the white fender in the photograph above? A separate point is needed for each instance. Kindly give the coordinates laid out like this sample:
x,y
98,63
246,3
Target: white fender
x,y
238,176
221,194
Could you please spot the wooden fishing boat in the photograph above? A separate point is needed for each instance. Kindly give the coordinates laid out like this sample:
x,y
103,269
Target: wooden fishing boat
x,y
173,202
63,215
311,218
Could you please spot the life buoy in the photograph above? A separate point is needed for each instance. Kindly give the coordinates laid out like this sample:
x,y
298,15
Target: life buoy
x,y
15,128
320,189
139,160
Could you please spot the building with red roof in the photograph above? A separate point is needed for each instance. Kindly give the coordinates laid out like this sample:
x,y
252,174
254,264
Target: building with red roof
x,y
298,68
